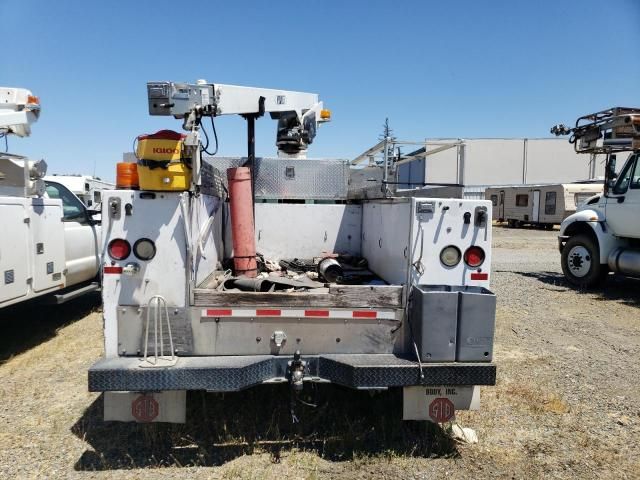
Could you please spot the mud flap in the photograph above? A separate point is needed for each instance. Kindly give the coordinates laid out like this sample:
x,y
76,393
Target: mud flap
x,y
438,403
168,406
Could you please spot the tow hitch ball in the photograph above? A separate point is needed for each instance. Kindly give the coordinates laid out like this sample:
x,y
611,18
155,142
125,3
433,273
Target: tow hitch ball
x,y
295,371
295,374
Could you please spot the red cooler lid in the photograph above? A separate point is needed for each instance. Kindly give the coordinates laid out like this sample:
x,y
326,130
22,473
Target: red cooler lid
x,y
163,135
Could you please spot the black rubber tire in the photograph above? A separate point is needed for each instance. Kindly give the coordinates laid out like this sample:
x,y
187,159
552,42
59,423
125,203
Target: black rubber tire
x,y
597,272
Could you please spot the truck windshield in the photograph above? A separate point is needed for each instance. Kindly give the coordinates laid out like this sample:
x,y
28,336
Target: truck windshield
x,y
629,177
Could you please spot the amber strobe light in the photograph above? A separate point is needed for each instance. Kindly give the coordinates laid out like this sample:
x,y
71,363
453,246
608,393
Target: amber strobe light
x,y
127,175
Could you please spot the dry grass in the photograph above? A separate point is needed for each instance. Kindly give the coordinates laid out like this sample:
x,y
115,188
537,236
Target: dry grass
x,y
566,405
347,426
537,400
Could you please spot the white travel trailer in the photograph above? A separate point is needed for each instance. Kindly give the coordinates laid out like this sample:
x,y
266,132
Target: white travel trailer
x,y
539,205
87,188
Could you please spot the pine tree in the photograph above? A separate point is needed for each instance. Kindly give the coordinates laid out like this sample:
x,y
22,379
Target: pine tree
x,y
387,131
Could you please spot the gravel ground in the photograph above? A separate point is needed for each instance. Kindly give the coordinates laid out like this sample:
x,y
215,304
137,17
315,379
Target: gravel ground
x,y
567,403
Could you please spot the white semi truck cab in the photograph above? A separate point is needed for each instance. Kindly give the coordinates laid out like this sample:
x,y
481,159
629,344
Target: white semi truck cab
x,y
603,235
379,293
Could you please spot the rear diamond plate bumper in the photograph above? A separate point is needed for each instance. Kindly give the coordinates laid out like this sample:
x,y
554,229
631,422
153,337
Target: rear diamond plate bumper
x,y
228,374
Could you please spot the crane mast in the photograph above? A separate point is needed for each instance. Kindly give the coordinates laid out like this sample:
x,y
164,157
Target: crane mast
x,y
19,176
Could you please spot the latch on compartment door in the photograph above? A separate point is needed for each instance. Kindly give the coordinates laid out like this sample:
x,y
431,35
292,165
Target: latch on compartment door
x,y
480,216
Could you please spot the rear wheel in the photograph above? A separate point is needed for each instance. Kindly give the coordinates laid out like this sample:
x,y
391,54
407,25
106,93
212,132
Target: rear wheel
x,y
581,262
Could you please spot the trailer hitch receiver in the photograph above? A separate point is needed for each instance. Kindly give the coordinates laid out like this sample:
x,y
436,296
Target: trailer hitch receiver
x,y
296,368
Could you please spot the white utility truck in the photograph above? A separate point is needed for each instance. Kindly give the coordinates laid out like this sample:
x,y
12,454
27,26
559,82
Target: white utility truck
x,y
50,241
206,288
603,236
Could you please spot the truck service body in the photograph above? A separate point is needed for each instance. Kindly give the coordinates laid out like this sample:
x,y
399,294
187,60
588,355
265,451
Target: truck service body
x,y
416,314
50,246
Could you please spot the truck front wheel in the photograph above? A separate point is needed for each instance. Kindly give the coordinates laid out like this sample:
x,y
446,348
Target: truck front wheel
x,y
581,262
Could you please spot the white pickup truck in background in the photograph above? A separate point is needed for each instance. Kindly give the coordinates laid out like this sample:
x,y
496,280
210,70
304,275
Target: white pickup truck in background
x,y
50,241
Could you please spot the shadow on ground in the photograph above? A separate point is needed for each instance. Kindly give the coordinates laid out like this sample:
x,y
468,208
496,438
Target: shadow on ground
x,y
29,324
505,226
617,288
221,427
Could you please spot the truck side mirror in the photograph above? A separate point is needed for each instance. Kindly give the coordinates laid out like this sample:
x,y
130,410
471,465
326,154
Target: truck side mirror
x,y
610,173
91,216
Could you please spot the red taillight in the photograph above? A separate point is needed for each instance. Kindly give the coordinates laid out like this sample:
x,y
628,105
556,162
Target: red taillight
x,y
119,249
474,256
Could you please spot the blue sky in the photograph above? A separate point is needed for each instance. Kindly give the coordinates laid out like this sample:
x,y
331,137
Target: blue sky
x,y
436,69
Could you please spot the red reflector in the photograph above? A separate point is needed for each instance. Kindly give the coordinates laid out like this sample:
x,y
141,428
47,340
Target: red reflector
x,y
119,249
365,314
112,269
479,276
268,313
218,313
316,313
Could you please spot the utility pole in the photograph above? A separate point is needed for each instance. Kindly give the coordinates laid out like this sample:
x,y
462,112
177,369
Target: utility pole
x,y
387,136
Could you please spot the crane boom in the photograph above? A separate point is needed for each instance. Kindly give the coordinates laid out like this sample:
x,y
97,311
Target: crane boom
x,y
614,130
298,113
19,108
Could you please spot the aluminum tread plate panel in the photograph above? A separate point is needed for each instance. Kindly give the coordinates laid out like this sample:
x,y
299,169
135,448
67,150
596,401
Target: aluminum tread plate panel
x,y
285,178
302,179
401,373
233,373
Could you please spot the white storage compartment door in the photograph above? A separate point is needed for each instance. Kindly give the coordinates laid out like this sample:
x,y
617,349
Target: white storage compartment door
x,y
14,252
48,244
442,224
156,217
